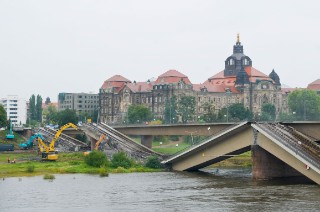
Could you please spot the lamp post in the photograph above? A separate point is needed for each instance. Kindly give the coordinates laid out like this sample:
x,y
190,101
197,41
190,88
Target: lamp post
x,y
191,134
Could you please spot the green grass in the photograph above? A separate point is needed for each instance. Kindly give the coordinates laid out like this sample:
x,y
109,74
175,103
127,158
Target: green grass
x,y
66,163
171,149
16,141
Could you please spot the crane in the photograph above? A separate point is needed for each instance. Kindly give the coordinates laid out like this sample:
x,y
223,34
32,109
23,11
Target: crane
x,y
29,143
48,152
102,138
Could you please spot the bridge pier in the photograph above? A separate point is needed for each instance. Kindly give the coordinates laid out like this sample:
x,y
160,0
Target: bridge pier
x,y
146,140
267,166
92,143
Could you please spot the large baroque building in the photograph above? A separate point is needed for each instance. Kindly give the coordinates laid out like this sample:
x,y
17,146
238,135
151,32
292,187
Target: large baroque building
x,y
238,82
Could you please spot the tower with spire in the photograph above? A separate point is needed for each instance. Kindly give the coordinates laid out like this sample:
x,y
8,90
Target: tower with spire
x,y
235,62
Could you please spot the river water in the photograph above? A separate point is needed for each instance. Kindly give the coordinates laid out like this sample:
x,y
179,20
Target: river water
x,y
215,190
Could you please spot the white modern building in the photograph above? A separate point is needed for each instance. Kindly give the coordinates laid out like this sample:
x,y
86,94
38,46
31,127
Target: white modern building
x,y
16,109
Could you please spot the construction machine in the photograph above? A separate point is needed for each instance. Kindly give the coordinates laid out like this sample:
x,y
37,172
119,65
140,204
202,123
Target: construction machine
x,y
29,143
10,135
102,138
48,152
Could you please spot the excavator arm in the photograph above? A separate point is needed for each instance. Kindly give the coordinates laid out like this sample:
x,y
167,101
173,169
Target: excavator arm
x,y
102,137
42,146
51,146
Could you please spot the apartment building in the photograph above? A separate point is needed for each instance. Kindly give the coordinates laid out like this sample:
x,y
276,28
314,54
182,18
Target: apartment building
x,y
16,109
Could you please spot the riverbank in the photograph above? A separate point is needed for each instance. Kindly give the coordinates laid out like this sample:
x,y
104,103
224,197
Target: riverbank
x,y
27,163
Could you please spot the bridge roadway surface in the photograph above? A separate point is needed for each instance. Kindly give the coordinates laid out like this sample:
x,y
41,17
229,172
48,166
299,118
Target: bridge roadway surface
x,y
64,142
117,141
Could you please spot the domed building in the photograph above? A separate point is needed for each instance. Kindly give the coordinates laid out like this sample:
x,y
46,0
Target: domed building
x,y
238,82
315,86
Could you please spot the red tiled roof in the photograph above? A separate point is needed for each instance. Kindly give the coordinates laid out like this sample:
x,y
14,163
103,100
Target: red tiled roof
x,y
140,87
172,73
315,85
228,82
115,82
172,76
214,88
252,72
117,78
288,90
218,75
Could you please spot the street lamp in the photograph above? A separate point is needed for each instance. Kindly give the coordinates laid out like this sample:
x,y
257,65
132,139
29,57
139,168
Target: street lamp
x,y
294,115
191,134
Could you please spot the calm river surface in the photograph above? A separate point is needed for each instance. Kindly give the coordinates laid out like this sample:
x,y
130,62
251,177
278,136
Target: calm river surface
x,y
218,190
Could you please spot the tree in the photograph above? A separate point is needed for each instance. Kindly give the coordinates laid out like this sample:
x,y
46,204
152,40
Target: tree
x,y
3,116
305,103
93,115
38,108
186,108
170,111
66,116
138,114
268,112
32,107
35,108
235,112
51,114
209,113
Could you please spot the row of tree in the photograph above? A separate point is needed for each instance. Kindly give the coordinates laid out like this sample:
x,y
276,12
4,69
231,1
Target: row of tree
x,y
35,109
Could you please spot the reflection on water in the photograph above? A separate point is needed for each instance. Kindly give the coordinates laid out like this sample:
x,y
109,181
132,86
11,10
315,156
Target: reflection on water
x,y
212,190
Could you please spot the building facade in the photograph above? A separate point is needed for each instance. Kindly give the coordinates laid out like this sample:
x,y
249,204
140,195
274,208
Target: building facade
x,y
16,109
79,102
238,82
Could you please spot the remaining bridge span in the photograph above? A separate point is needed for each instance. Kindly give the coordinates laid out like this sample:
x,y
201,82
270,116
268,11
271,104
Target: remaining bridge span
x,y
117,141
231,141
290,146
277,151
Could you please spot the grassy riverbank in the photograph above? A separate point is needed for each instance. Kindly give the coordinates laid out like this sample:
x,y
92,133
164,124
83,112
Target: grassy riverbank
x,y
29,164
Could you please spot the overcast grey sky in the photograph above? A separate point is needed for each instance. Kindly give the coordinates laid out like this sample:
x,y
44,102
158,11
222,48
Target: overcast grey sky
x,y
47,47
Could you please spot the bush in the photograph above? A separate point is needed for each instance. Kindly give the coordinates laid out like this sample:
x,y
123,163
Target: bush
x,y
103,172
96,159
121,159
174,138
49,177
153,162
30,168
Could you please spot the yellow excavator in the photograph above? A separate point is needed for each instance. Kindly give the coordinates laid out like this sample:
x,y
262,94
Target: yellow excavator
x,y
48,152
102,138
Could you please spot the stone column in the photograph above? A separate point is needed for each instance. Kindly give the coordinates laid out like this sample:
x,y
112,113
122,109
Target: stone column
x,y
93,143
267,166
146,140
